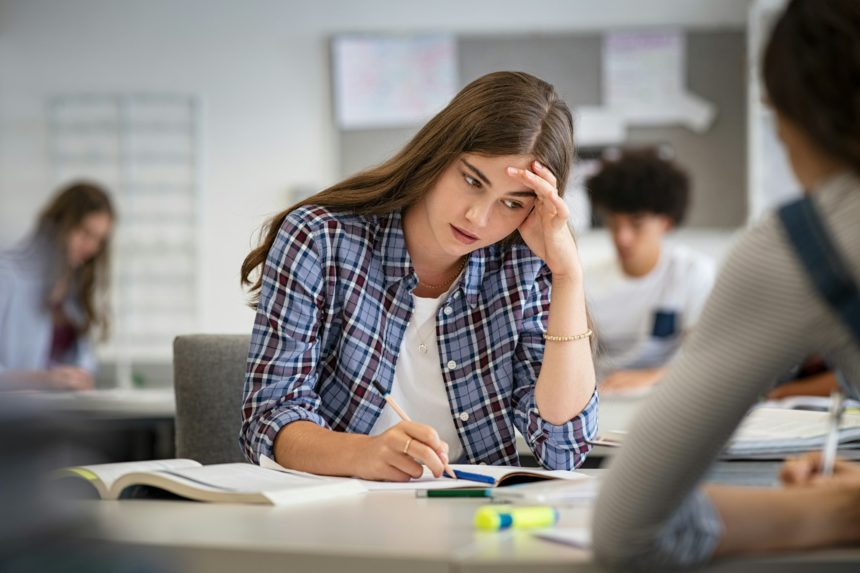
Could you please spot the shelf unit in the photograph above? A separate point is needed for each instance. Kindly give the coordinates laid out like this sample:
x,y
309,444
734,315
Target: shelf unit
x,y
145,148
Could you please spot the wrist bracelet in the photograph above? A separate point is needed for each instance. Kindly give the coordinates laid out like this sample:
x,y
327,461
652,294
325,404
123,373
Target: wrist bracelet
x,y
551,338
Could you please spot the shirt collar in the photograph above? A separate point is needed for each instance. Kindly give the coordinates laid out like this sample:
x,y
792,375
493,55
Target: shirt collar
x,y
397,264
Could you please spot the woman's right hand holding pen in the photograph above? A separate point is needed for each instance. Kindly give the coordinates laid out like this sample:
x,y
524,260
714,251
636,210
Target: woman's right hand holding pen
x,y
398,453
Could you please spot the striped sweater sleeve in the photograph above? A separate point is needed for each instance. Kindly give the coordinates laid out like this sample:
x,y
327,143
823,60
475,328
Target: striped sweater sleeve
x,y
762,318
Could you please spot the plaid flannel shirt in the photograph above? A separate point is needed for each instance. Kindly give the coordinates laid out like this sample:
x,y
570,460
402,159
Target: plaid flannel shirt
x,y
335,301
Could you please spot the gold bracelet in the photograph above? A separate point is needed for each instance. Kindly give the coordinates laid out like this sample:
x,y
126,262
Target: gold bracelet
x,y
551,338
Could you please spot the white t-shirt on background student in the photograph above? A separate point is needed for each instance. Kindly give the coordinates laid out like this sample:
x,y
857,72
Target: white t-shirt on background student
x,y
640,321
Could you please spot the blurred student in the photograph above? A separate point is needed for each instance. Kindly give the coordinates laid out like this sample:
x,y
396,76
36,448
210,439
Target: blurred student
x,y
53,289
645,300
813,378
767,309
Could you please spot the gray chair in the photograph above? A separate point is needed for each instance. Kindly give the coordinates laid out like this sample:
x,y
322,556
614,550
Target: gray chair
x,y
208,374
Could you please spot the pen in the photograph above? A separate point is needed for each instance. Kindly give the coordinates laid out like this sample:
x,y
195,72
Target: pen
x,y
475,477
403,416
496,517
834,418
469,492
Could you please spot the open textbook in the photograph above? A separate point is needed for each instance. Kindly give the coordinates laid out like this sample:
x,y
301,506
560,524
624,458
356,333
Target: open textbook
x,y
220,483
492,476
774,433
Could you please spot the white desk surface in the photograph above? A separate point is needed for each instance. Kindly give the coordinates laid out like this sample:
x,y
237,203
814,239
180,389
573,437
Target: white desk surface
x,y
376,532
114,402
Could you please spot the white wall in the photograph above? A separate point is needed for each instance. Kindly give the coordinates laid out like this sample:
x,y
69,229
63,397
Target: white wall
x,y
260,67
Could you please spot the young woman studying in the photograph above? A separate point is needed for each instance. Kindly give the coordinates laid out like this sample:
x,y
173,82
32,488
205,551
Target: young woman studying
x,y
53,290
449,276
766,312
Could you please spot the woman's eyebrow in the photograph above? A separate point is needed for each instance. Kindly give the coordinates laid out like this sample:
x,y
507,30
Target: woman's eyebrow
x,y
524,193
477,172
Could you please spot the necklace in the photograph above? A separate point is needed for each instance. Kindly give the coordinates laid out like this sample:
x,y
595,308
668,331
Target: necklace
x,y
450,277
422,346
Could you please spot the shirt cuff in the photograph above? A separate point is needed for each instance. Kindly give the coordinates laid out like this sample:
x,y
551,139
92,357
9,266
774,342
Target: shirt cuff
x,y
260,436
691,535
561,446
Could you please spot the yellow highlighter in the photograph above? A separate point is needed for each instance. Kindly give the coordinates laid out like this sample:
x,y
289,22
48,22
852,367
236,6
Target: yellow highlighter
x,y
496,517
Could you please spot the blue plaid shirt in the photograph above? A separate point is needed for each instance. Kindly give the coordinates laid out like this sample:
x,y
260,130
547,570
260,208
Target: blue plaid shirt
x,y
335,301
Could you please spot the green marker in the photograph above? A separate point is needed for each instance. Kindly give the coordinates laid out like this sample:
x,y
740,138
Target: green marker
x,y
465,492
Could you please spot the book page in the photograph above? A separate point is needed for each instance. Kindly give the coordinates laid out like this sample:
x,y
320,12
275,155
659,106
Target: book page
x,y
574,536
109,473
243,478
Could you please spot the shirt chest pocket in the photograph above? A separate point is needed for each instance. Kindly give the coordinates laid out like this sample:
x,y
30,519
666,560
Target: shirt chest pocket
x,y
665,323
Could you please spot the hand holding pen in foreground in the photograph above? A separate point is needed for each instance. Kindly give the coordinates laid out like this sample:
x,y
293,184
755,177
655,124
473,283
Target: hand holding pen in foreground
x,y
806,470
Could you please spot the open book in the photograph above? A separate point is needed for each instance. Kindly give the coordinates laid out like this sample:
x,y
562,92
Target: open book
x,y
485,477
501,476
220,483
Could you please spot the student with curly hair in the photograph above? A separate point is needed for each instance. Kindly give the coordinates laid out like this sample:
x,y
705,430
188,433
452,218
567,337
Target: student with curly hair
x,y
646,299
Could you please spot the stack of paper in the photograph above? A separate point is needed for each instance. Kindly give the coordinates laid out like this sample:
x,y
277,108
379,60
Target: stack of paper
x,y
775,432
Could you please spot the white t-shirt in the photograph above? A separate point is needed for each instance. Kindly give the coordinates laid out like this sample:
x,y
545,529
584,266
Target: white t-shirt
x,y
640,321
418,384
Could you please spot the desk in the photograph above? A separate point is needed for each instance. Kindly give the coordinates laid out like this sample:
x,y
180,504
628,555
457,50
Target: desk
x,y
375,533
124,424
113,402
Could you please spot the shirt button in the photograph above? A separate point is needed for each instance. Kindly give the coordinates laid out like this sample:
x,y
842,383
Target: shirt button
x,y
464,416
457,294
448,310
451,365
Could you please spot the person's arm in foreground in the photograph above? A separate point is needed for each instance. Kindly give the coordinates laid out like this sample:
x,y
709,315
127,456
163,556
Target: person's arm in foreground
x,y
811,511
649,511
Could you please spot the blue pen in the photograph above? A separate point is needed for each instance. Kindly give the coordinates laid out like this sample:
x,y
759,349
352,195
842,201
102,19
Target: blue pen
x,y
475,477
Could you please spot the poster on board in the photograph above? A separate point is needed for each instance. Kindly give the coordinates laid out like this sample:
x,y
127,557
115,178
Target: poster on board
x,y
392,81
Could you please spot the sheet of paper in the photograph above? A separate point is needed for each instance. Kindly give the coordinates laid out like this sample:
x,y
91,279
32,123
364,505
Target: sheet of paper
x,y
574,536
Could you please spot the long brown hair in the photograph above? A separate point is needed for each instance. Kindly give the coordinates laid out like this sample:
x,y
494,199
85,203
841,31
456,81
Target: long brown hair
x,y
502,113
89,282
811,71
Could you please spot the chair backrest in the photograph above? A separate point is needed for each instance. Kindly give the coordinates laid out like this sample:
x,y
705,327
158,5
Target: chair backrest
x,y
208,374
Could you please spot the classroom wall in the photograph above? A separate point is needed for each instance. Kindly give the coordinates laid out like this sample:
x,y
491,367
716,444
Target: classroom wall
x,y
715,70
261,70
